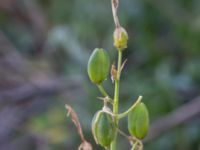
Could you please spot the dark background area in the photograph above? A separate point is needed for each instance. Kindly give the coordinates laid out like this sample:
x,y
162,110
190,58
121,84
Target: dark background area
x,y
44,49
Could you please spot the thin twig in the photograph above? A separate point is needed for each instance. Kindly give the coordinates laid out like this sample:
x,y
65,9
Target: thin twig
x,y
132,140
123,64
75,120
131,108
84,145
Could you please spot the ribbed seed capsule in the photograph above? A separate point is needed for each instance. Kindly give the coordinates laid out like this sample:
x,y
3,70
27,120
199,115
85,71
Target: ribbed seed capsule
x,y
138,121
98,65
103,128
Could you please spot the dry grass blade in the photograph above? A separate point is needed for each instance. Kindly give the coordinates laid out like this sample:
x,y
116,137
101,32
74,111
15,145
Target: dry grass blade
x,y
115,4
84,145
122,67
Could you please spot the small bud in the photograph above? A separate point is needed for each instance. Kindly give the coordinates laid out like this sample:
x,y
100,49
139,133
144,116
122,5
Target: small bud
x,y
120,38
103,128
138,121
98,65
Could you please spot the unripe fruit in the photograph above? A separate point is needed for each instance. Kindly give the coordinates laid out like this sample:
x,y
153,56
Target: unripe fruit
x,y
138,121
98,66
103,128
120,38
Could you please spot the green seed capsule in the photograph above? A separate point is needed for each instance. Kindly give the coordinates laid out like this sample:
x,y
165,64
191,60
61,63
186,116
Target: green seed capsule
x,y
138,121
103,128
98,65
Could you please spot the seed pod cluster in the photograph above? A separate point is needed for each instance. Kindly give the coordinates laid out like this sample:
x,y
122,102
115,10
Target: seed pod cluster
x,y
103,128
98,66
138,121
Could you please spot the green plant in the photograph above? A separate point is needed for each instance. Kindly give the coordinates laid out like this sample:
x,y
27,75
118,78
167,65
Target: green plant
x,y
138,121
105,124
96,72
103,127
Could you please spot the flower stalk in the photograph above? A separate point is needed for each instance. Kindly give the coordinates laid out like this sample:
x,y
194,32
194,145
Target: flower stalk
x,y
124,114
105,124
116,98
103,92
98,68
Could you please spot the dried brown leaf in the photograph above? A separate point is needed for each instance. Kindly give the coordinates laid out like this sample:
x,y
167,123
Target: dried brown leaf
x,y
84,145
113,73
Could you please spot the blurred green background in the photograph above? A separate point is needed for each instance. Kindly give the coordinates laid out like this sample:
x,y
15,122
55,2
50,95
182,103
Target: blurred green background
x,y
44,49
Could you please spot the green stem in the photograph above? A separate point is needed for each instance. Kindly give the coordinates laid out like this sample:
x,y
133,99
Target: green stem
x,y
116,97
134,146
101,89
103,92
124,114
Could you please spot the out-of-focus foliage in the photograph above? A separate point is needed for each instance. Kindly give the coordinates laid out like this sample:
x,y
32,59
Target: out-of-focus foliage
x,y
163,63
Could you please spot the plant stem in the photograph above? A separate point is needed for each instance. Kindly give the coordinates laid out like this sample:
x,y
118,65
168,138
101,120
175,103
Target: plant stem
x,y
116,98
104,93
124,114
101,89
134,146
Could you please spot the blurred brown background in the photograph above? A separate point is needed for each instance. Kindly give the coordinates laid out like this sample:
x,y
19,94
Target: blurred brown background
x,y
44,49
